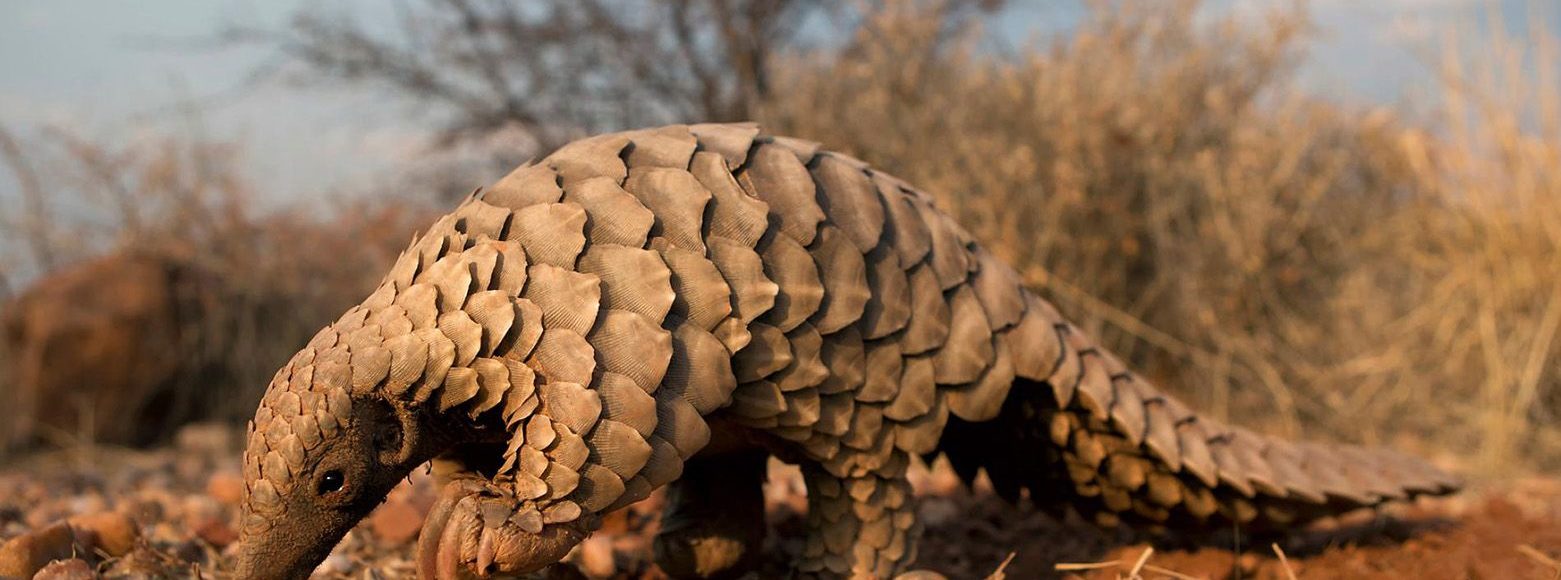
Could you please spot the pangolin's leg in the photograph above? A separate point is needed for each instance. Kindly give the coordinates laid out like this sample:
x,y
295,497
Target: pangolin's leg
x,y
455,473
713,525
480,525
858,526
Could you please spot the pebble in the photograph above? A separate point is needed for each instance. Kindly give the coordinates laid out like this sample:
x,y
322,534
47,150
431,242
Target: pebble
x,y
396,523
24,555
226,487
922,575
595,558
72,569
112,532
216,532
87,504
146,562
614,523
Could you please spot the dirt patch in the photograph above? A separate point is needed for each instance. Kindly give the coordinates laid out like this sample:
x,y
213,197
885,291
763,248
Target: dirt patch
x,y
1511,532
183,502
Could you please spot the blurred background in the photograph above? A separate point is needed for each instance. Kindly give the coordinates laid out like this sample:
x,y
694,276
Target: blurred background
x,y
1338,220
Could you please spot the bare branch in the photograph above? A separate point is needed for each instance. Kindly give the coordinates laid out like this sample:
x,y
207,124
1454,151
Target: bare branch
x,y
555,69
36,220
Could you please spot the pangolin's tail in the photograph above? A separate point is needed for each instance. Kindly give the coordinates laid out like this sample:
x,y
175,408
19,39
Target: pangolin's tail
x,y
1094,436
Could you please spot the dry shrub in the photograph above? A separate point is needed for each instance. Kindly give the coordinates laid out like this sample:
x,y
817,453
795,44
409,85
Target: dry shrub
x,y
1295,263
1481,255
250,286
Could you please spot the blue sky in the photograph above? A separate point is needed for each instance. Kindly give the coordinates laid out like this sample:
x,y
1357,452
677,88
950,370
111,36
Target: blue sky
x,y
123,70
118,70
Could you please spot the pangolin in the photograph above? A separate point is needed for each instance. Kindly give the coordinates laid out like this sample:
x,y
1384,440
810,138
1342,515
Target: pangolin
x,y
668,308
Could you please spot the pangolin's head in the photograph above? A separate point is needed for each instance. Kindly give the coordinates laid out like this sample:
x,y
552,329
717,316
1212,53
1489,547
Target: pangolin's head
x,y
320,456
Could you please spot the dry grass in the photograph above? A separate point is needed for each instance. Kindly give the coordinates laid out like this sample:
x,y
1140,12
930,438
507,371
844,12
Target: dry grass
x,y
1305,266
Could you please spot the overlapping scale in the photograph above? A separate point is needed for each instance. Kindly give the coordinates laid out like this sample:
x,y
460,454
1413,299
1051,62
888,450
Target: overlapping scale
x,y
552,233
793,270
700,370
730,141
734,215
670,146
752,292
526,186
599,156
703,298
843,274
633,279
775,176
632,345
567,299
678,201
850,200
613,215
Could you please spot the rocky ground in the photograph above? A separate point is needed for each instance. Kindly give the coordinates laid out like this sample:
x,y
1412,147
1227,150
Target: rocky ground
x,y
169,512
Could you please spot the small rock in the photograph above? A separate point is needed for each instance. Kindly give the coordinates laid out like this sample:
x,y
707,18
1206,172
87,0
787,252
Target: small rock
x,y
166,532
396,522
112,532
87,504
198,508
614,523
1248,562
145,510
594,556
41,516
147,562
631,544
72,569
24,555
226,487
216,532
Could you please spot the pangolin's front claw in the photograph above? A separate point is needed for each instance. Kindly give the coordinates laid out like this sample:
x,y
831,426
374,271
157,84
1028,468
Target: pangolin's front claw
x,y
430,540
458,540
479,528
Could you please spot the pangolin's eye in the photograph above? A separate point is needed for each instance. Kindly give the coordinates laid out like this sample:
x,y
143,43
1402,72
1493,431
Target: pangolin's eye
x,y
331,482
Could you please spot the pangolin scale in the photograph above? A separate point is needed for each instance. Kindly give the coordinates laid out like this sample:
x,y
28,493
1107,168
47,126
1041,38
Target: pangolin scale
x,y
667,307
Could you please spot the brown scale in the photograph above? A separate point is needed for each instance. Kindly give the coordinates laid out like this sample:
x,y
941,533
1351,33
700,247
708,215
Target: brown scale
x,y
666,307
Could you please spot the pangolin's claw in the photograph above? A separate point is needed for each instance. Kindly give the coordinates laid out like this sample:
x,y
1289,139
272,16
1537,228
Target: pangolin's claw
x,y
456,539
473,531
429,540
